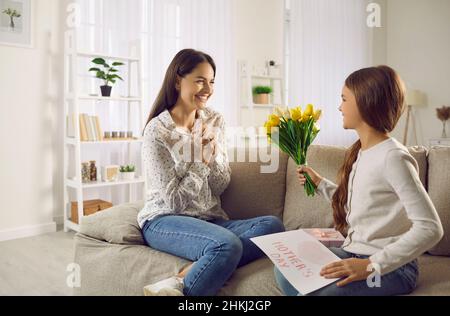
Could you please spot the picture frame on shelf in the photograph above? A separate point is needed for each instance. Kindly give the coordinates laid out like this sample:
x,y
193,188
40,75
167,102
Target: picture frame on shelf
x,y
110,173
16,23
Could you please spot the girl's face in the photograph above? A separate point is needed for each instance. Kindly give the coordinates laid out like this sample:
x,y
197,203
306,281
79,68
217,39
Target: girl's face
x,y
197,87
351,117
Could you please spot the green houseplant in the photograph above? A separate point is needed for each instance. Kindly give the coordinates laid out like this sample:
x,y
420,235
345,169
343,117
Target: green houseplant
x,y
12,14
108,74
127,172
262,94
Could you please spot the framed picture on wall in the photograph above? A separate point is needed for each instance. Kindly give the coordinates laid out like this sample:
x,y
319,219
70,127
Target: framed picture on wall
x,y
16,23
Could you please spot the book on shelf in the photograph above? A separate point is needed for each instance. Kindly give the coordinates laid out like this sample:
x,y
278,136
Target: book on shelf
x,y
83,131
93,129
90,128
98,128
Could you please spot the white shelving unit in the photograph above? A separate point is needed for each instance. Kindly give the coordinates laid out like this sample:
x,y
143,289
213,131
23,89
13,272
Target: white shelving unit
x,y
73,146
252,114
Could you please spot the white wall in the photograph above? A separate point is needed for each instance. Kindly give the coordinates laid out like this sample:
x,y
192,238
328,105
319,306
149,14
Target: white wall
x,y
259,30
418,47
31,150
259,38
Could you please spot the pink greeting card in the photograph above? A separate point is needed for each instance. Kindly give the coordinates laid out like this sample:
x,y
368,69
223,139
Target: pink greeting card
x,y
299,257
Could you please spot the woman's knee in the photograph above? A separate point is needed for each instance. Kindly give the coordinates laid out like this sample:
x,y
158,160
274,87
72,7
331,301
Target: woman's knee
x,y
228,243
273,224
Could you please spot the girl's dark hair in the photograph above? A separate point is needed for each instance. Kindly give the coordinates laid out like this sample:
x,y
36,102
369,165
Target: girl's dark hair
x,y
182,64
380,97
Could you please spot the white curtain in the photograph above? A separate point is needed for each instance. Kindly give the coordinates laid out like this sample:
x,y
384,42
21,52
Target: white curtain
x,y
327,40
204,25
164,27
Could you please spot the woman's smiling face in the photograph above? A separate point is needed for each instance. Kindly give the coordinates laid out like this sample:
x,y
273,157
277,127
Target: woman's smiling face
x,y
197,87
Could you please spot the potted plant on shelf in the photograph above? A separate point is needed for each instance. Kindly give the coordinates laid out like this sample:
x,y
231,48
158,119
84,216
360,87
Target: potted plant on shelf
x,y
108,74
262,94
127,172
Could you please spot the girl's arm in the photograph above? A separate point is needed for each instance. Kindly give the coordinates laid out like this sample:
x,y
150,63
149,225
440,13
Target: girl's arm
x,y
163,174
325,187
401,173
220,174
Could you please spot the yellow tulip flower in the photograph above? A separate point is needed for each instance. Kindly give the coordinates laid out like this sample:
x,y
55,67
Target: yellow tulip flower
x,y
296,113
286,114
274,120
316,128
309,110
305,117
317,114
278,111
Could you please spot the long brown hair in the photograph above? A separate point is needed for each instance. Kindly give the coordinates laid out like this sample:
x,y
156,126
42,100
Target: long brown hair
x,y
182,64
380,97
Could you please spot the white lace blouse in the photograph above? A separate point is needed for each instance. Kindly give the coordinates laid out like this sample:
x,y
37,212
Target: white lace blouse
x,y
179,185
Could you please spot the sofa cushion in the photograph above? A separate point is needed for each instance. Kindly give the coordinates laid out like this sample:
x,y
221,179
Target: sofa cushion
x,y
439,191
420,154
253,193
117,225
301,211
254,279
113,269
434,276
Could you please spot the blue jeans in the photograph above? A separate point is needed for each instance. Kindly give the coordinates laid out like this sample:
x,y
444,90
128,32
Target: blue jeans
x,y
398,282
216,247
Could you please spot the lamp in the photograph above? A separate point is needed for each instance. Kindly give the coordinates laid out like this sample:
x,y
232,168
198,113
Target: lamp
x,y
413,98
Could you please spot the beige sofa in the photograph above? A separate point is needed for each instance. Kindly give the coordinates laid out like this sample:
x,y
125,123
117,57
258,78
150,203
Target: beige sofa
x,y
115,261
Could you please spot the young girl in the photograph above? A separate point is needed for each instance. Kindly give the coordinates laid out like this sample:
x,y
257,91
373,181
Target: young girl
x,y
185,156
379,202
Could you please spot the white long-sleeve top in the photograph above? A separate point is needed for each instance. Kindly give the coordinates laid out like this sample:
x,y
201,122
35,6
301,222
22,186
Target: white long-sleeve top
x,y
182,184
390,216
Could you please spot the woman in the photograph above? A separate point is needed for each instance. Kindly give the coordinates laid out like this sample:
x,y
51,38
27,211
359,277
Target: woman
x,y
380,202
185,156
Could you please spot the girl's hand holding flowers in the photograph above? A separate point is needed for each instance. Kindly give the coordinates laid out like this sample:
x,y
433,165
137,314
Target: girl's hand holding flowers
x,y
293,131
315,177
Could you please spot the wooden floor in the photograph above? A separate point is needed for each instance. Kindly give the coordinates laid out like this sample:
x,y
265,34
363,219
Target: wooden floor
x,y
36,265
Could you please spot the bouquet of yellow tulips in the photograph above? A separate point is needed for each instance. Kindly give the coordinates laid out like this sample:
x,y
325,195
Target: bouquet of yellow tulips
x,y
293,131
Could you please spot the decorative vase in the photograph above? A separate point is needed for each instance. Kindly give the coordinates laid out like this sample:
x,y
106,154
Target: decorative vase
x,y
11,24
106,91
444,132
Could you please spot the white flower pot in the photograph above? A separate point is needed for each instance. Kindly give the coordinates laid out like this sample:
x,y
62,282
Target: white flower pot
x,y
127,175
